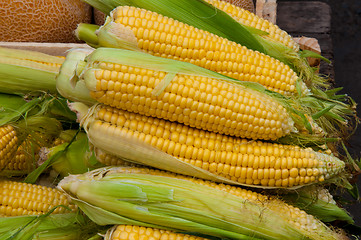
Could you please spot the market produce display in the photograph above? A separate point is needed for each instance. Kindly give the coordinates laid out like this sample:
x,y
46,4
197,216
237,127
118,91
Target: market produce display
x,y
184,119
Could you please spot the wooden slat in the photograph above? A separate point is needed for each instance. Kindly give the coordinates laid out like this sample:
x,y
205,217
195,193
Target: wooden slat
x,y
310,19
58,49
304,17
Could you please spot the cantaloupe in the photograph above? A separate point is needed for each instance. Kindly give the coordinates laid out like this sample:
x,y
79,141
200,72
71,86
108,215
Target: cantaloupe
x,y
41,20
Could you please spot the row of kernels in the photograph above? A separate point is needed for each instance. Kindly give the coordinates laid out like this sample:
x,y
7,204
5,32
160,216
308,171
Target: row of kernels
x,y
227,123
128,232
225,149
175,88
193,137
9,211
179,114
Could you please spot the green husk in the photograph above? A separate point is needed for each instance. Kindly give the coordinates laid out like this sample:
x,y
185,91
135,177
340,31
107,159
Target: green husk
x,y
87,31
71,157
77,157
21,80
76,91
16,107
67,226
323,208
36,121
177,204
20,74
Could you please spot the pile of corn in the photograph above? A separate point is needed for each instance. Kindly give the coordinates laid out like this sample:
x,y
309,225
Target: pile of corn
x,y
186,120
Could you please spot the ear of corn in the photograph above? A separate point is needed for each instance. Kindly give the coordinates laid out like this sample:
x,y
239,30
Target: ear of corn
x,y
18,198
23,71
128,232
24,159
23,130
108,85
179,148
183,203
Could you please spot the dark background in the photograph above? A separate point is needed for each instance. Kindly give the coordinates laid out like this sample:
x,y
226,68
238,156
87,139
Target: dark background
x,y
346,40
346,54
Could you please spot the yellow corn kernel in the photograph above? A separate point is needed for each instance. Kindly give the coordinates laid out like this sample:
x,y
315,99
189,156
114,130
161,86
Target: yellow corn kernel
x,y
18,198
110,160
250,19
250,165
197,101
168,38
23,159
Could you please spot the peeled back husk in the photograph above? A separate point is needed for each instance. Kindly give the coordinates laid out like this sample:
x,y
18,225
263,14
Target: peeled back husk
x,y
141,197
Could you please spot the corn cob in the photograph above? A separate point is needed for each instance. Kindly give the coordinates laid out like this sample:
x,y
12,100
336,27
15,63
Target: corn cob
x,y
28,199
168,38
252,163
203,100
250,19
129,232
169,198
